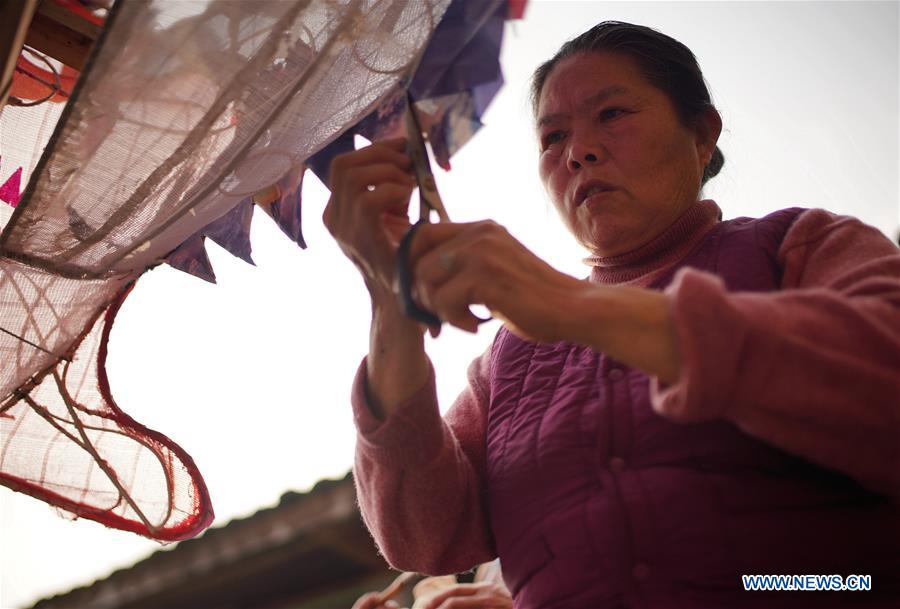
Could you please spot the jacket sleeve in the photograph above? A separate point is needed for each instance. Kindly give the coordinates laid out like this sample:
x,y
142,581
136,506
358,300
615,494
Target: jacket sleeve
x,y
813,368
420,479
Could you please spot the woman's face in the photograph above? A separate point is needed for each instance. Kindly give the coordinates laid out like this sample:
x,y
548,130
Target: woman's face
x,y
618,164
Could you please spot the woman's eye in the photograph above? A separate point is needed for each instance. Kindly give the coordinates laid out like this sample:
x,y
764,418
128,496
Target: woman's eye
x,y
554,137
610,113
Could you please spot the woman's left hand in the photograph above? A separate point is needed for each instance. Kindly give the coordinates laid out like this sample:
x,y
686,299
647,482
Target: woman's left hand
x,y
480,263
458,265
480,595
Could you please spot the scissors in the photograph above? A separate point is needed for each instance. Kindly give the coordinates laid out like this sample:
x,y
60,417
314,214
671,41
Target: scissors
x,y
429,201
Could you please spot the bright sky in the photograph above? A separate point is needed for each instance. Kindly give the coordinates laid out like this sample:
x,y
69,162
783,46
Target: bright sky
x,y
252,376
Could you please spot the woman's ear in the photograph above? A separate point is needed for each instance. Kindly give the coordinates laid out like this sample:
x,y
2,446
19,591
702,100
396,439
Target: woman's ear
x,y
708,127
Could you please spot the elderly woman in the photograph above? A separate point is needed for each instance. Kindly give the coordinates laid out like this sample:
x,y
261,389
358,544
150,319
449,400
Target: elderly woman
x,y
719,398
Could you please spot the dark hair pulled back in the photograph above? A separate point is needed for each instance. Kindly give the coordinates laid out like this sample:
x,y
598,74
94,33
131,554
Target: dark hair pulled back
x,y
664,62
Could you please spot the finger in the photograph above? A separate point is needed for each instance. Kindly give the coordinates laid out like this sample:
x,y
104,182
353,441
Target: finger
x,y
480,600
433,267
392,199
396,586
360,178
372,600
395,225
468,252
389,151
369,600
386,199
464,602
438,265
453,593
394,143
345,200
376,227
450,301
431,236
434,235
357,181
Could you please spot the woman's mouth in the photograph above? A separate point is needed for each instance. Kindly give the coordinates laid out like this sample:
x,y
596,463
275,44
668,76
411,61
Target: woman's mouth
x,y
596,197
593,192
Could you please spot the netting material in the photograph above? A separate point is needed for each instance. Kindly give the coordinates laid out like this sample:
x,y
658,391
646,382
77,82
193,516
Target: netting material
x,y
66,441
231,89
49,311
185,109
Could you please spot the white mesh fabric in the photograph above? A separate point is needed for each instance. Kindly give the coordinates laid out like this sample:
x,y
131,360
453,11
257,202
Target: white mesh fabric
x,y
24,132
65,441
49,311
185,109
193,112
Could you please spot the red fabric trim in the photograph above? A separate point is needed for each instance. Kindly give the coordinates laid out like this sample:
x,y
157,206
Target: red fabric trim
x,y
516,9
203,511
82,511
192,524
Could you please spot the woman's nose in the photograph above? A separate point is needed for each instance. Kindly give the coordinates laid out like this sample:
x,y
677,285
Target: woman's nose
x,y
581,155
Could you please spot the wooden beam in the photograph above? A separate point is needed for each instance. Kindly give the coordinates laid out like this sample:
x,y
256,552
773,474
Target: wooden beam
x,y
58,41
70,20
15,17
351,540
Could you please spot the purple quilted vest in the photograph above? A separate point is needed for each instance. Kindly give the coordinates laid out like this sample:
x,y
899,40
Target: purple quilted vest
x,y
597,502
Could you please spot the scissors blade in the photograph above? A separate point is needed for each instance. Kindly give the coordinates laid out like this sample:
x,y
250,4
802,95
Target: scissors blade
x,y
428,191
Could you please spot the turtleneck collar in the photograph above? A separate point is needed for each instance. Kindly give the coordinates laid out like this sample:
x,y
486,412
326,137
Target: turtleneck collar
x,y
644,264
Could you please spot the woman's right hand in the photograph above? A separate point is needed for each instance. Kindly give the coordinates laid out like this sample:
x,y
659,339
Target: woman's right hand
x,y
479,595
368,215
368,210
372,600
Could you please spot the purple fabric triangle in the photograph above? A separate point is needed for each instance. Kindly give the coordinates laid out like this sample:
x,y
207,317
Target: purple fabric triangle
x,y
457,78
10,191
464,50
190,257
286,210
388,119
232,231
483,94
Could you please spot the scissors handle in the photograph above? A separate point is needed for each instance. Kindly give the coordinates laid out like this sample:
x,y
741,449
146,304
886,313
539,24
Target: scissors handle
x,y
405,280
